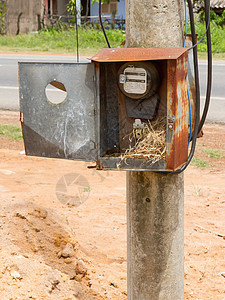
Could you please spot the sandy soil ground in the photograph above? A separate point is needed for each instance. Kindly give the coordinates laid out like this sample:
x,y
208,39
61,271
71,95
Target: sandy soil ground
x,y
63,226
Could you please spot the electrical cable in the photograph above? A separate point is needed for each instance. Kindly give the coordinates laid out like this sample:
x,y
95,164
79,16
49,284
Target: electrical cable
x,y
190,117
189,99
207,28
209,71
185,32
100,20
77,31
209,75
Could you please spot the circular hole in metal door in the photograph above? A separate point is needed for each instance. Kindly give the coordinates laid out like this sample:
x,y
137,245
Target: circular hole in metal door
x,y
56,92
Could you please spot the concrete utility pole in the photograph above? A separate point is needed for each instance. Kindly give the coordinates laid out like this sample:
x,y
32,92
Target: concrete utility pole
x,y
155,201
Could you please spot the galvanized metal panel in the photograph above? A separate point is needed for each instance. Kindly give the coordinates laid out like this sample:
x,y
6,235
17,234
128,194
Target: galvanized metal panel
x,y
130,164
65,130
137,54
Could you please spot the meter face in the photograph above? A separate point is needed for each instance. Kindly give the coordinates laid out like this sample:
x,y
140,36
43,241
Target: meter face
x,y
134,80
138,80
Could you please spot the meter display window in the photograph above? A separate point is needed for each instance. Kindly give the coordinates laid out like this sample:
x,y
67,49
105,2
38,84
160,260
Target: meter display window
x,y
134,80
138,80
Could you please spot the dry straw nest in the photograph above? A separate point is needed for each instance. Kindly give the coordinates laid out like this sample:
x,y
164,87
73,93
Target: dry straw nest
x,y
151,146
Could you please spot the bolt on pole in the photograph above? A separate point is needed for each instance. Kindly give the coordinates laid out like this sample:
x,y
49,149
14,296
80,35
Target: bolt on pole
x,y
155,201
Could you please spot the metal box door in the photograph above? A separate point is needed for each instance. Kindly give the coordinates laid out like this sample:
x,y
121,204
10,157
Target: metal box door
x,y
63,130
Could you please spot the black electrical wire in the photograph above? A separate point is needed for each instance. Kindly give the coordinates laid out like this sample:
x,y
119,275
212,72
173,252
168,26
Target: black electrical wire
x,y
77,31
207,29
209,53
100,20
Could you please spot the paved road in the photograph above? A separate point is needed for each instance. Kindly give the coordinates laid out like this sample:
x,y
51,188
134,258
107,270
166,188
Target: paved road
x,y
217,106
9,91
9,98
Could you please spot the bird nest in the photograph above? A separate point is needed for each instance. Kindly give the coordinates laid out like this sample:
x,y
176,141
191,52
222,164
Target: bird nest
x,y
151,145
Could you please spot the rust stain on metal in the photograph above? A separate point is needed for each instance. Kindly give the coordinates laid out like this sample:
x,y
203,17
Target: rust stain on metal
x,y
97,67
137,54
58,85
181,141
177,145
99,166
21,117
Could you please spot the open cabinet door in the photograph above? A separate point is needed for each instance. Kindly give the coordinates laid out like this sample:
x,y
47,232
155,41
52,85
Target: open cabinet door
x,y
59,128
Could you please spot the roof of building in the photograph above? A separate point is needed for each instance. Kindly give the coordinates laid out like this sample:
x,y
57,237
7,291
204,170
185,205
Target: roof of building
x,y
214,4
217,3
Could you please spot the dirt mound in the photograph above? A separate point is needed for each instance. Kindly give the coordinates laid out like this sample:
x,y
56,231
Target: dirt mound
x,y
43,258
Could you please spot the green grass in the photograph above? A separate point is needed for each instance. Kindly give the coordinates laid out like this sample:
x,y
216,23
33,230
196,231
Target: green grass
x,y
214,153
90,41
217,36
200,163
11,132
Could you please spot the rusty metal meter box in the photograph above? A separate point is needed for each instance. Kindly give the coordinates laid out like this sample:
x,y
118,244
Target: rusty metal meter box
x,y
110,104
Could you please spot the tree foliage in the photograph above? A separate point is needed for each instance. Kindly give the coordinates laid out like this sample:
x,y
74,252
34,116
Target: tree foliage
x,y
216,19
3,7
71,7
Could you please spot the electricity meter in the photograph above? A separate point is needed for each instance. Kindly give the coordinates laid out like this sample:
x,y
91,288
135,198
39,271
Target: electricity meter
x,y
138,80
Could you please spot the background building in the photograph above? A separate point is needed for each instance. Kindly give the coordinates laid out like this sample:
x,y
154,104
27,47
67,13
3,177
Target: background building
x,y
23,16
